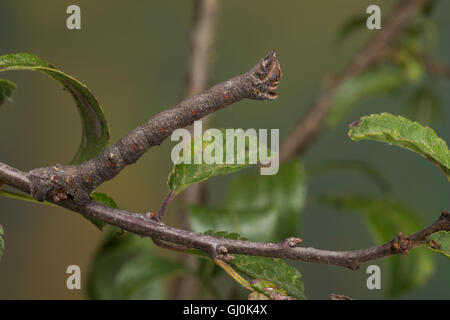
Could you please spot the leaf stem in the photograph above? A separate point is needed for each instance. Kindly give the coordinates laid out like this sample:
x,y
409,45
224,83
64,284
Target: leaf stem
x,y
236,276
165,204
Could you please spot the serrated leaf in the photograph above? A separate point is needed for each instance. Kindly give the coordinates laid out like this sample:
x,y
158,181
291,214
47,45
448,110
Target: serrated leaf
x,y
126,268
285,192
378,80
2,242
440,242
95,136
404,133
385,218
6,90
274,270
255,224
184,175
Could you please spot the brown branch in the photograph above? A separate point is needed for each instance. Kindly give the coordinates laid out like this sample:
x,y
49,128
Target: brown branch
x,y
78,181
309,128
201,43
165,205
142,225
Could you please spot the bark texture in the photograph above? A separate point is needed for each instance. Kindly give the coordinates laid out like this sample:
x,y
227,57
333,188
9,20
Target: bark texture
x,y
78,181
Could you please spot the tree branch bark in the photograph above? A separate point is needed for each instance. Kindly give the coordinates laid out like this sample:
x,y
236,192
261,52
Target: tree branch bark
x,y
143,225
309,128
78,181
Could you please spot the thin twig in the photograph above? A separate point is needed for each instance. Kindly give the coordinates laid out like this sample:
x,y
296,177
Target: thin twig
x,y
144,226
201,42
308,129
165,204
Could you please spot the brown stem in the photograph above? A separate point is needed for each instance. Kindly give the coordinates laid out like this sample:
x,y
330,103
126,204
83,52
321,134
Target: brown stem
x,y
142,225
309,128
201,42
162,210
78,181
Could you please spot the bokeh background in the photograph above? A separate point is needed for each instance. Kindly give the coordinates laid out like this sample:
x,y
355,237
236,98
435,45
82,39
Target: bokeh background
x,y
133,55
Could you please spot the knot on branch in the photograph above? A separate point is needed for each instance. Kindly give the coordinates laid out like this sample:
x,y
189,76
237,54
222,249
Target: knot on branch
x,y
57,182
401,244
292,242
353,265
222,254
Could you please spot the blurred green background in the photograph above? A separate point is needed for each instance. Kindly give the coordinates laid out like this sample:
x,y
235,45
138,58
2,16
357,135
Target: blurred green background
x,y
132,55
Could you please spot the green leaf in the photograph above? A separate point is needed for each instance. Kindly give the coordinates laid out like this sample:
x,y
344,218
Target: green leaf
x,y
103,199
378,80
440,242
126,268
6,90
285,192
95,130
184,175
274,270
404,133
385,218
255,224
2,242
